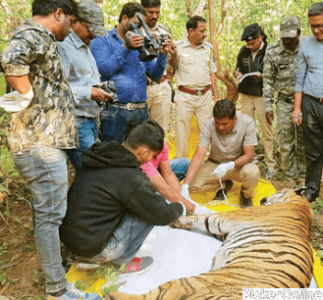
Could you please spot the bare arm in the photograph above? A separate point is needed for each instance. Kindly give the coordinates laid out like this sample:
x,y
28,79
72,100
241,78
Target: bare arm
x,y
171,194
246,158
20,83
167,173
297,118
213,87
195,164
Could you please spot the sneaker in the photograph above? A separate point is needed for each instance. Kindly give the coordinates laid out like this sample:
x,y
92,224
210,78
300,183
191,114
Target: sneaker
x,y
220,193
138,265
270,172
71,293
245,202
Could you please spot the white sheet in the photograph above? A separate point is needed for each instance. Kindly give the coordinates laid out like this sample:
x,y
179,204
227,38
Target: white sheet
x,y
177,253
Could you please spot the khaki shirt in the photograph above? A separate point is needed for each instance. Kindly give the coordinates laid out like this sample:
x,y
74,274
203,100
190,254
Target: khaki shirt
x,y
228,147
280,65
50,119
193,66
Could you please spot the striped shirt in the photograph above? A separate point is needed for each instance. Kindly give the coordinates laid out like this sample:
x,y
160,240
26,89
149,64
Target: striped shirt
x,y
310,68
82,73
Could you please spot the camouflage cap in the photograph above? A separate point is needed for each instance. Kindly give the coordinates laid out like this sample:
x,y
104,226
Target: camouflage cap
x,y
289,26
91,13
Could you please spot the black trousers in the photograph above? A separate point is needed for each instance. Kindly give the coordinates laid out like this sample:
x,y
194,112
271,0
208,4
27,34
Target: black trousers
x,y
313,139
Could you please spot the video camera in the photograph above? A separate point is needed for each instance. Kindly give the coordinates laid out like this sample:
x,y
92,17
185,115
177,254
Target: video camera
x,y
150,47
109,87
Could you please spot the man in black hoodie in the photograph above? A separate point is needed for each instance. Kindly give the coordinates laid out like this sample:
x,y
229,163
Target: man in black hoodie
x,y
250,61
112,205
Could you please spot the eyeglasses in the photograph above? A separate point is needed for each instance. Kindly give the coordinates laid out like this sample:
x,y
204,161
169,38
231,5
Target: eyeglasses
x,y
319,27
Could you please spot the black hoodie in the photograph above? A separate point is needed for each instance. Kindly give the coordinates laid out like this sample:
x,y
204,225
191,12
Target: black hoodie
x,y
110,184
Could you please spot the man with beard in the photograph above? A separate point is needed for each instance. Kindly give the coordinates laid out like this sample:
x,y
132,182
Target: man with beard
x,y
280,76
118,61
194,68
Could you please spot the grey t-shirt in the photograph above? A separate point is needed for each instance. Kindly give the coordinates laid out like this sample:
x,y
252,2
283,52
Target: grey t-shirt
x,y
228,147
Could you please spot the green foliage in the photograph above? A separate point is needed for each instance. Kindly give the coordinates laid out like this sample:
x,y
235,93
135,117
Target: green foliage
x,y
4,248
3,279
27,248
81,286
317,206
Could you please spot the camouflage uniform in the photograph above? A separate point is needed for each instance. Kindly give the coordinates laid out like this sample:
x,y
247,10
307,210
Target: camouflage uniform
x,y
50,119
280,76
37,136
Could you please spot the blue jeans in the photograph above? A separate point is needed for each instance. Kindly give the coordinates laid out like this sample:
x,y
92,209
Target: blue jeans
x,y
88,133
45,169
179,167
125,241
114,122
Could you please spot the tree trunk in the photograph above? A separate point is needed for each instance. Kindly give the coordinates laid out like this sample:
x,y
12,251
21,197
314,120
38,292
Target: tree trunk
x,y
222,74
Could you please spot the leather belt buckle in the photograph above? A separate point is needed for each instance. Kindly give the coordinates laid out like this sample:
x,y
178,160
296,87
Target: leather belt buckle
x,y
199,92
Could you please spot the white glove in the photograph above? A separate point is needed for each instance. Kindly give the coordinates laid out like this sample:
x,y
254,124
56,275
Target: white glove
x,y
222,169
184,191
201,210
184,210
14,101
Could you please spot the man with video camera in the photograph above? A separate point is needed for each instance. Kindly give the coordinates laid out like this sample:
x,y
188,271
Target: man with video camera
x,y
122,57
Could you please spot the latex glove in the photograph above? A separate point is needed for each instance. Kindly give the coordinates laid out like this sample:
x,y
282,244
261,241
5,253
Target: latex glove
x,y
222,169
184,191
201,210
184,210
14,101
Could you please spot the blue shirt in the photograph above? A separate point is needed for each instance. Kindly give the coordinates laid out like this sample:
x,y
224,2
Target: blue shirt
x,y
123,66
309,76
82,73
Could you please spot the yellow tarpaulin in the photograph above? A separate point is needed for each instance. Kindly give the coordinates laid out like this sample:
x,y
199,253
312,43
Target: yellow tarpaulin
x,y
263,189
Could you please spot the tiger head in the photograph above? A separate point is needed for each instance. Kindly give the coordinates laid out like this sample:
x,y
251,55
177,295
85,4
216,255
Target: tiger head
x,y
285,196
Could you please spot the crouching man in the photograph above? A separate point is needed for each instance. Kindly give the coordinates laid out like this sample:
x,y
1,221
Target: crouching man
x,y
112,205
233,139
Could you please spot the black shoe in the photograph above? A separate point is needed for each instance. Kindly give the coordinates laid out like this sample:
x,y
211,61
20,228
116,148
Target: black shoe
x,y
310,198
245,202
219,194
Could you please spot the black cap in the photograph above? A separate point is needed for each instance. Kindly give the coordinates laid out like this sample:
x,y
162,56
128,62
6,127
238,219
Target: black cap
x,y
251,32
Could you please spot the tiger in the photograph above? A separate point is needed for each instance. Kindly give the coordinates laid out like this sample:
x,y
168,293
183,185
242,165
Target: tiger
x,y
264,247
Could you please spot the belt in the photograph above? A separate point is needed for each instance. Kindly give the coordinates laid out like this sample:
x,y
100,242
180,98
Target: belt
x,y
287,100
129,106
194,92
319,100
150,82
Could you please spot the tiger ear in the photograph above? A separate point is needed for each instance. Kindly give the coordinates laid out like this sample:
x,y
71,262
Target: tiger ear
x,y
300,191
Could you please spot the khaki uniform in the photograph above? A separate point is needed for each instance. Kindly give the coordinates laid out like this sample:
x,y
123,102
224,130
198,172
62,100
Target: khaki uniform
x,y
280,76
225,148
193,67
159,94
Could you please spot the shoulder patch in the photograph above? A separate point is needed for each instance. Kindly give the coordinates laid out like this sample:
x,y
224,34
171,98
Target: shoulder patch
x,y
208,44
164,27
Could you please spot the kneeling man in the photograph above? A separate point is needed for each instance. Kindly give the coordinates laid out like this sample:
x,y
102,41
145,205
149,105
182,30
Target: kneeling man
x,y
233,139
112,205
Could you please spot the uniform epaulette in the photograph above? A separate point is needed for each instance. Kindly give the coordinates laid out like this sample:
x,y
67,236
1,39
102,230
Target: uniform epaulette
x,y
208,44
165,28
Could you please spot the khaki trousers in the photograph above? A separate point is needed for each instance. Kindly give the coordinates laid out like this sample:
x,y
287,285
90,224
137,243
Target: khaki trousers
x,y
159,103
250,105
204,181
188,105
